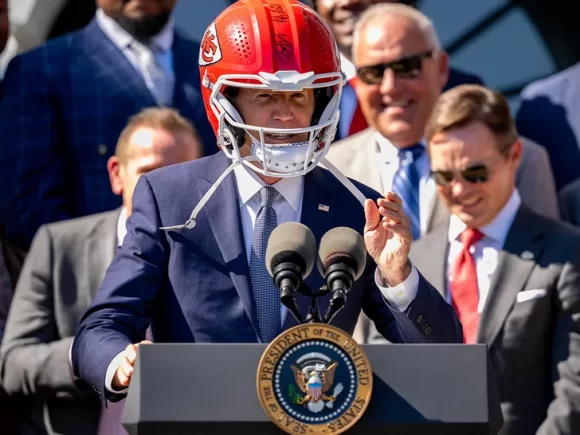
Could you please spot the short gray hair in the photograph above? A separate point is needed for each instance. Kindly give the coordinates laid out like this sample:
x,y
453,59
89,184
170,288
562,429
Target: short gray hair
x,y
382,10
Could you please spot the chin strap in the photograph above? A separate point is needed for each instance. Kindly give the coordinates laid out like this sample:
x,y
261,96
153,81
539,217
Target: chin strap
x,y
190,223
324,163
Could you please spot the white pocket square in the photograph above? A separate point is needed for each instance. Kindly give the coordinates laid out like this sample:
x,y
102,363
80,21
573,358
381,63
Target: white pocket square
x,y
528,295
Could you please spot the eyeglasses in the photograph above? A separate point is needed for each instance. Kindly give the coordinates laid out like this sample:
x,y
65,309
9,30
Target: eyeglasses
x,y
408,68
473,174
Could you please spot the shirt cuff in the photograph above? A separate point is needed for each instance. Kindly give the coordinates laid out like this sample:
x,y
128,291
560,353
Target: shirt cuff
x,y
70,360
400,296
111,370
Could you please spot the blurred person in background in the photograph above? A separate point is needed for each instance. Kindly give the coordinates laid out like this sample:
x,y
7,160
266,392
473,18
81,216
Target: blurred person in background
x,y
512,275
570,203
549,114
342,16
66,102
402,70
13,410
63,270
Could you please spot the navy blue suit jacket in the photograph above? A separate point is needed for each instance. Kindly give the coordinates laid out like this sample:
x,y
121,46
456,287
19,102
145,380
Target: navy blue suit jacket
x,y
194,285
64,106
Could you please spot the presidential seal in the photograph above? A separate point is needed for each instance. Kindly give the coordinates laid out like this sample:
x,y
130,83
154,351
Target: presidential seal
x,y
314,379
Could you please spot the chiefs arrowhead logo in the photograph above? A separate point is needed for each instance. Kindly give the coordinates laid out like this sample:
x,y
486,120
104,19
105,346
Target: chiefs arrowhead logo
x,y
210,51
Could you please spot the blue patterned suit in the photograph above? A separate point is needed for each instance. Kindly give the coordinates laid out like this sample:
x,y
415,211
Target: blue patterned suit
x,y
64,105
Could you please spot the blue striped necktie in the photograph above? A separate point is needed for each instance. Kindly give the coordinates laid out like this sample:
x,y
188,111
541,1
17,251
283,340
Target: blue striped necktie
x,y
266,295
406,185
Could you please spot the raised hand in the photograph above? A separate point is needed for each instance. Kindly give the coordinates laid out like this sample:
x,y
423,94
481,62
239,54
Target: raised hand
x,y
388,237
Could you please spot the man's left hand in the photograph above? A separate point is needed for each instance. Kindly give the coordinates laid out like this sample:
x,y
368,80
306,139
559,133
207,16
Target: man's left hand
x,y
388,237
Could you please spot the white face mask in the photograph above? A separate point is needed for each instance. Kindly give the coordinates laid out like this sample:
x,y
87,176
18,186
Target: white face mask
x,y
283,158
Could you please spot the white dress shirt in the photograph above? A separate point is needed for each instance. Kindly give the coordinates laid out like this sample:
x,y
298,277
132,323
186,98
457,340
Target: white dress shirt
x,y
122,226
389,161
162,52
485,252
288,207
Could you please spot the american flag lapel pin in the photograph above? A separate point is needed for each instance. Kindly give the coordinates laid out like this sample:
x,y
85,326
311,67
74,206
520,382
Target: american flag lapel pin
x,y
323,207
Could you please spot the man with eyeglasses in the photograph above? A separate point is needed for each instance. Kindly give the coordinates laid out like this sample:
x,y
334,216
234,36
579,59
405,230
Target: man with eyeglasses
x,y
401,71
341,16
512,275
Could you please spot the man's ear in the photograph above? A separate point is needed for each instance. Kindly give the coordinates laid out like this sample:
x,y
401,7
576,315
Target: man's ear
x,y
114,169
443,59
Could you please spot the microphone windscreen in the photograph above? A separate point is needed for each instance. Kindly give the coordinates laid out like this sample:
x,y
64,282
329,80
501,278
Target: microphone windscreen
x,y
342,244
291,242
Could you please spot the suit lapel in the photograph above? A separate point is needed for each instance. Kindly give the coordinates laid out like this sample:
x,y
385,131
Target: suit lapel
x,y
430,255
100,249
515,263
365,169
439,215
115,67
186,73
223,212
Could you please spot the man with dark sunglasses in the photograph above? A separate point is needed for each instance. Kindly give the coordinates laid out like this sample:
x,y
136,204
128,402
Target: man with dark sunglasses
x,y
512,275
401,71
341,16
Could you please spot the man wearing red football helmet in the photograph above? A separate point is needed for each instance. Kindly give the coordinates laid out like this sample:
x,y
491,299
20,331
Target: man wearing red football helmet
x,y
271,81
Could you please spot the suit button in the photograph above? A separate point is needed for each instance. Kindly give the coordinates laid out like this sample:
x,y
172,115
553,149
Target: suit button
x,y
427,330
420,318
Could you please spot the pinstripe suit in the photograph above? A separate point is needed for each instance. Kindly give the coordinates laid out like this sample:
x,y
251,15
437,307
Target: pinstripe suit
x,y
64,105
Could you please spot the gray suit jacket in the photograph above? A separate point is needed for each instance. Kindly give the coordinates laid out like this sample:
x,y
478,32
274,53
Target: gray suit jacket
x,y
62,272
355,157
527,334
570,203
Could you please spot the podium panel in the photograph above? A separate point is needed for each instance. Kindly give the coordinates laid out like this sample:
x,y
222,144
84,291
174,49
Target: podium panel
x,y
211,389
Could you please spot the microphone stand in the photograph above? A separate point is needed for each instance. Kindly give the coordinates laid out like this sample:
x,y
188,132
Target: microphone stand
x,y
286,276
313,315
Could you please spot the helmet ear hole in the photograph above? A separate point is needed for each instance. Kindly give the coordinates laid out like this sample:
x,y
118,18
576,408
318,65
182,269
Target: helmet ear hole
x,y
322,97
226,101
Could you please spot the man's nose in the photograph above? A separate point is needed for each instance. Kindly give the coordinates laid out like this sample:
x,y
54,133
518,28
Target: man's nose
x,y
458,187
283,110
389,82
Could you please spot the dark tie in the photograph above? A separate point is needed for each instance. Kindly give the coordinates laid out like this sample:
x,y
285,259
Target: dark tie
x,y
464,287
266,295
406,185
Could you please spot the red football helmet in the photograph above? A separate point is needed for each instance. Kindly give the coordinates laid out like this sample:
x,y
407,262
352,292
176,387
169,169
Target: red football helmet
x,y
279,45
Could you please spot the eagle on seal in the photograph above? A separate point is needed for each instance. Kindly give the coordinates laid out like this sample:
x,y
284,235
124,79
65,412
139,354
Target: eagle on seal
x,y
314,382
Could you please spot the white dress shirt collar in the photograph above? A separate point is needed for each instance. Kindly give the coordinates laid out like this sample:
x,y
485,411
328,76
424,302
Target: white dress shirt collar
x,y
386,150
498,228
122,226
163,41
249,184
347,67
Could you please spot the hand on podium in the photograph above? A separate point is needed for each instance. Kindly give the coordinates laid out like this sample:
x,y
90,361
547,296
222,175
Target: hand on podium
x,y
123,374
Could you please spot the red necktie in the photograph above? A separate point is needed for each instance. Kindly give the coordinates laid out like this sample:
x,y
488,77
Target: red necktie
x,y
358,122
464,289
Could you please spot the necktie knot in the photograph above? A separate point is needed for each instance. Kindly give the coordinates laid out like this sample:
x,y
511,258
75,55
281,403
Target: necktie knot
x,y
470,236
411,154
267,196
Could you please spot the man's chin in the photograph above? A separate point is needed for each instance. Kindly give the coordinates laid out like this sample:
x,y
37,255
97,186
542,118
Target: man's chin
x,y
398,132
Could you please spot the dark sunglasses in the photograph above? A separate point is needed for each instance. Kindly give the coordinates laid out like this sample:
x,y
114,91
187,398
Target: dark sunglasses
x,y
473,174
408,68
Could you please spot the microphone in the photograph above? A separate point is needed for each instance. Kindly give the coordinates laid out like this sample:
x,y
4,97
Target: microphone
x,y
290,257
341,261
